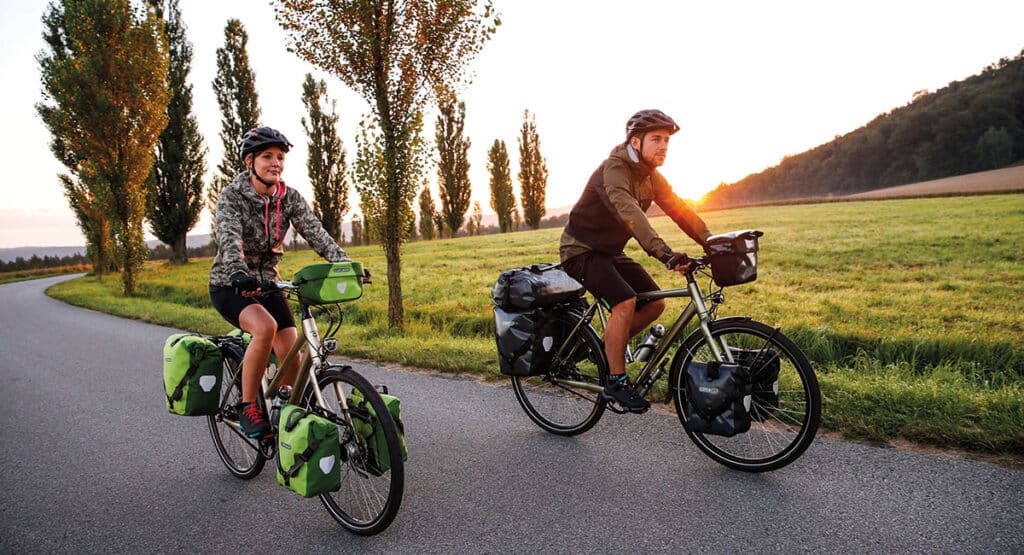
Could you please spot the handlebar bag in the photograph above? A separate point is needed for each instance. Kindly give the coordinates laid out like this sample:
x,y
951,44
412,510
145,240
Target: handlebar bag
x,y
733,257
717,398
308,452
534,286
368,426
192,375
526,341
330,282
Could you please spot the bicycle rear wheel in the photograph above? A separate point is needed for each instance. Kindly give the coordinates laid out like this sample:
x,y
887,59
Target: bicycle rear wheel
x,y
785,412
368,500
240,454
565,399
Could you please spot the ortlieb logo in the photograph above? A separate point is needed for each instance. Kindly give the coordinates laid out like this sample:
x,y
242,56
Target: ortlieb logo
x,y
286,446
711,390
342,270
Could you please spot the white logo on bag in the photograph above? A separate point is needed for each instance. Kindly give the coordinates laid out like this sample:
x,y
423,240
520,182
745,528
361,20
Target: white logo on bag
x,y
207,383
326,464
548,342
341,287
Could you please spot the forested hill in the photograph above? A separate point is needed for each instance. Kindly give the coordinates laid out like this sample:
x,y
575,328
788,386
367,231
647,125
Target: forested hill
x,y
971,125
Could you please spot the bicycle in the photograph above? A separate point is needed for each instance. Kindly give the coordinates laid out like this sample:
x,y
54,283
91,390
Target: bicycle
x,y
564,398
368,499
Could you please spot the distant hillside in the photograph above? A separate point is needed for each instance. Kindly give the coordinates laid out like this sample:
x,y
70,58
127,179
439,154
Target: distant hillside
x,y
9,254
969,126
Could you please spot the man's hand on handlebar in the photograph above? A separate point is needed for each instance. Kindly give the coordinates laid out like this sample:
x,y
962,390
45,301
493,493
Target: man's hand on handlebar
x,y
676,261
245,285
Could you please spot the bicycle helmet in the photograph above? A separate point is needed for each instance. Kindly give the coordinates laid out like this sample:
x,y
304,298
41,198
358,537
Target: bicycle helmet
x,y
649,120
259,139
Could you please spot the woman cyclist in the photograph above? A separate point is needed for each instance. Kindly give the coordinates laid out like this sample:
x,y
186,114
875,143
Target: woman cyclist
x,y
254,213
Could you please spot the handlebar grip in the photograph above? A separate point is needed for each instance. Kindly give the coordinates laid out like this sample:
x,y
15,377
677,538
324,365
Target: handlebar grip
x,y
366,276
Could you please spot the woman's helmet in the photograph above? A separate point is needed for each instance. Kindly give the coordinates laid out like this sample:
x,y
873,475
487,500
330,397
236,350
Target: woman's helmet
x,y
649,120
260,139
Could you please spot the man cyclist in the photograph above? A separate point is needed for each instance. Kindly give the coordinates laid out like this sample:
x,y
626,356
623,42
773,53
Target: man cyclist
x,y
254,213
610,211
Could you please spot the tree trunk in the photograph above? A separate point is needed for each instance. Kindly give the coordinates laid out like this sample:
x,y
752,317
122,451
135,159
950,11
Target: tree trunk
x,y
179,250
396,314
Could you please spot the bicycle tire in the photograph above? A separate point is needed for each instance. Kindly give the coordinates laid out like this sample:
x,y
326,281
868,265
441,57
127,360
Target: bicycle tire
x,y
240,454
366,503
783,427
553,404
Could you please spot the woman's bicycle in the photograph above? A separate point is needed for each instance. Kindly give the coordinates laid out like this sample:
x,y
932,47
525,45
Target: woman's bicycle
x,y
771,377
368,499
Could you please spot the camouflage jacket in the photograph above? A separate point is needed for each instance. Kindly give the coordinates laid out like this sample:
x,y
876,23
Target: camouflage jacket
x,y
612,209
251,230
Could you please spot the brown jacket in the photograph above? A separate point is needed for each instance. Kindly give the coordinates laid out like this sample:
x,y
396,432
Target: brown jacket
x,y
613,205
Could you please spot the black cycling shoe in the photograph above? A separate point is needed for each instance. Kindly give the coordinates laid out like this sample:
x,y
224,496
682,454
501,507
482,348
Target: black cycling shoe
x,y
252,422
622,393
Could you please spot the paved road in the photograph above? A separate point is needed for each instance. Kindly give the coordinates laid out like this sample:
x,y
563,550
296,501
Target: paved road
x,y
92,463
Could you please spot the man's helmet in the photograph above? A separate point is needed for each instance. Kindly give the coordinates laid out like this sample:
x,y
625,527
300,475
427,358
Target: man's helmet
x,y
649,120
260,139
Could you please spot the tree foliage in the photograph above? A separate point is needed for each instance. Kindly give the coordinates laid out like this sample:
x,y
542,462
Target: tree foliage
x,y
453,164
325,162
396,55
175,189
533,173
475,223
503,200
105,98
972,125
426,220
235,88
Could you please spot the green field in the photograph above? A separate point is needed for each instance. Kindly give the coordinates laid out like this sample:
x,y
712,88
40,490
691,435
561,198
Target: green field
x,y
911,310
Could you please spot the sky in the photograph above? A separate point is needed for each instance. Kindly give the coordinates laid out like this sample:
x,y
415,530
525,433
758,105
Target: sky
x,y
749,82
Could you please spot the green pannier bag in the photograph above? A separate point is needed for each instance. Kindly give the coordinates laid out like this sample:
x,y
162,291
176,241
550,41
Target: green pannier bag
x,y
192,375
330,283
308,453
378,462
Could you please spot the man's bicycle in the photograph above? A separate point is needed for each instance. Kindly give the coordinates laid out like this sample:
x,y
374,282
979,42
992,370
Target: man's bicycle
x,y
776,384
368,499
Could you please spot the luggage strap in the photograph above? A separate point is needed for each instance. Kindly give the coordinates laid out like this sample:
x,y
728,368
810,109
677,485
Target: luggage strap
x,y
180,389
303,457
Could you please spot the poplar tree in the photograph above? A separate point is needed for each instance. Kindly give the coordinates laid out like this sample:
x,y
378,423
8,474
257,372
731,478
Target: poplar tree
x,y
533,173
235,88
396,55
453,166
325,162
426,223
503,201
104,101
476,219
175,190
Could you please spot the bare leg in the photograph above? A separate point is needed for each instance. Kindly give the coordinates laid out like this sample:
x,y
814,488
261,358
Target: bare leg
x,y
283,342
646,315
261,325
617,334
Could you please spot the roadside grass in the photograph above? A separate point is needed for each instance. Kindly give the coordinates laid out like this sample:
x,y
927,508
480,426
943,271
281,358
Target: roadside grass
x,y
910,309
25,275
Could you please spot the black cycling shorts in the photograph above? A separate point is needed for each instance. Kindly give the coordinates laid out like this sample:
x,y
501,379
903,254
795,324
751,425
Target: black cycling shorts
x,y
230,304
612,279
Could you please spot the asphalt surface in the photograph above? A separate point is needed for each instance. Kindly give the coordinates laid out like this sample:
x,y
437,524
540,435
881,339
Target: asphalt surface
x,y
92,463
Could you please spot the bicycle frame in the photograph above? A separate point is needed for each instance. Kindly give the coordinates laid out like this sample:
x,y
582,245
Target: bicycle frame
x,y
309,344
654,367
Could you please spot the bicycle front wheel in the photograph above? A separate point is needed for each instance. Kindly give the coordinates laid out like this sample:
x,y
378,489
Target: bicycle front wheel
x,y
785,407
240,454
566,398
368,499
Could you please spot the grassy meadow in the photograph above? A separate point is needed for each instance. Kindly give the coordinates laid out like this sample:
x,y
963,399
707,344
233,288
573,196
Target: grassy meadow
x,y
911,309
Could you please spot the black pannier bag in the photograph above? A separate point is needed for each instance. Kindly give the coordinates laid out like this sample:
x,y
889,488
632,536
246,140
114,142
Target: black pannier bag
x,y
733,257
764,380
534,286
527,341
717,398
